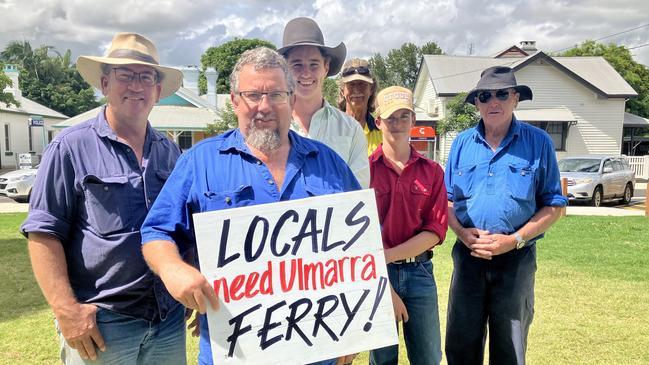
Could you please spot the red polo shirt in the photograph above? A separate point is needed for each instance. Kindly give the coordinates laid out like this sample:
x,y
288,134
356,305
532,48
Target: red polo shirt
x,y
409,203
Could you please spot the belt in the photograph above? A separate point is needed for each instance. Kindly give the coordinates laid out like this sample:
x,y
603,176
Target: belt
x,y
422,257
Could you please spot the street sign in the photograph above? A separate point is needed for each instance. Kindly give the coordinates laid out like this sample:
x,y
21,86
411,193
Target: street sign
x,y
36,121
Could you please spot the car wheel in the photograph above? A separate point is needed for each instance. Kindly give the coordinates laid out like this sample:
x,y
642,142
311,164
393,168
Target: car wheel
x,y
628,194
596,201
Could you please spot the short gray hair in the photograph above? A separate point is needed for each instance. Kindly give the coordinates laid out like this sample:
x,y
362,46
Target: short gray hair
x,y
261,58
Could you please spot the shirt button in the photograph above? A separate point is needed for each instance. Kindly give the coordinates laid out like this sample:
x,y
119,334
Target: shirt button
x,y
228,199
128,150
149,201
105,188
258,162
491,174
270,181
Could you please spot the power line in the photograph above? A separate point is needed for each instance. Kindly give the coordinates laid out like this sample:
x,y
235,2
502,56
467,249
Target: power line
x,y
608,36
640,46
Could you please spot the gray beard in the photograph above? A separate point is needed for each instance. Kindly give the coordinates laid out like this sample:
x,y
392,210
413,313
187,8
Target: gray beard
x,y
266,140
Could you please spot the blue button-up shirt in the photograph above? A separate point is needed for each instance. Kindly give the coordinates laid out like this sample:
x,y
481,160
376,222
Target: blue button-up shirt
x,y
222,173
92,195
500,191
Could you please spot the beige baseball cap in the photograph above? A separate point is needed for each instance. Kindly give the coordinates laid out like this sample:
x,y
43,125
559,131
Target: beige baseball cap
x,y
356,69
392,99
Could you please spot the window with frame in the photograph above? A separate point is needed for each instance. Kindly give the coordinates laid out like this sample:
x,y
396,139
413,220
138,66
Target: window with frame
x,y
558,131
185,140
7,147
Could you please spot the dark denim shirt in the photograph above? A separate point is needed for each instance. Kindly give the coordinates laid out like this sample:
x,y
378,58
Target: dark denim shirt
x,y
91,194
221,173
500,191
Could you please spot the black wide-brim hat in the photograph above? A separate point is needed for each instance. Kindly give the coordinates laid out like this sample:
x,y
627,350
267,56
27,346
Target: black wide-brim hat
x,y
306,32
498,78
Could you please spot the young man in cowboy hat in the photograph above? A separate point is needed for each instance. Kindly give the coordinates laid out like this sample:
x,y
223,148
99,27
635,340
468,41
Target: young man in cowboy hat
x,y
356,98
503,189
93,189
310,62
411,202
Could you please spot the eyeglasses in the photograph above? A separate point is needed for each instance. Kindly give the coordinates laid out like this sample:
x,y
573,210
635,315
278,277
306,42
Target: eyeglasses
x,y
501,95
127,76
274,97
361,70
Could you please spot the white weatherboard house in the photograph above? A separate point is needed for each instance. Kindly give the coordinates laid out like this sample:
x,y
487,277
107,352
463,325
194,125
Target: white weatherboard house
x,y
24,129
184,116
579,101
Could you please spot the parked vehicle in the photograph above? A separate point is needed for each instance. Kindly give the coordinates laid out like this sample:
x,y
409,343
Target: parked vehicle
x,y
598,178
17,185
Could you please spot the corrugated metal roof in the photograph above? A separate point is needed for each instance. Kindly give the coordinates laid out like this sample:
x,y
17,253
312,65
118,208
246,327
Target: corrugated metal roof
x,y
561,114
632,120
452,75
31,107
162,117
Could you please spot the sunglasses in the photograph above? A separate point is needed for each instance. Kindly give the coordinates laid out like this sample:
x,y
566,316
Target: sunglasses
x,y
501,95
361,70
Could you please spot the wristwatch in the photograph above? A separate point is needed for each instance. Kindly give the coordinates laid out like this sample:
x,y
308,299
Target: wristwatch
x,y
520,242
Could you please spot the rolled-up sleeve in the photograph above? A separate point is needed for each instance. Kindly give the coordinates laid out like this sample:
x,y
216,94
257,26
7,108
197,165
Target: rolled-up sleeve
x,y
549,182
53,200
436,220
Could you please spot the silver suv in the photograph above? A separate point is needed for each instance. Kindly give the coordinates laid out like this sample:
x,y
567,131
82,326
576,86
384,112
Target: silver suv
x,y
598,178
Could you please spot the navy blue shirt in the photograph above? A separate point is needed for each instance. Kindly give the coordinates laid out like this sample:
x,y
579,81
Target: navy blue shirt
x,y
92,195
500,191
222,173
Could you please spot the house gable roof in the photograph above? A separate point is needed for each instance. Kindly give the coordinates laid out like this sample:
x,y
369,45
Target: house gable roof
x,y
30,107
452,75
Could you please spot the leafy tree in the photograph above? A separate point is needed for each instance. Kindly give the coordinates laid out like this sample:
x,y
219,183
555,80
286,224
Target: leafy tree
x,y
401,65
636,74
223,58
226,119
6,98
49,78
330,89
459,116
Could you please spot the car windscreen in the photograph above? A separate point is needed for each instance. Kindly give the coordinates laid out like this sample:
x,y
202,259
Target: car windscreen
x,y
579,165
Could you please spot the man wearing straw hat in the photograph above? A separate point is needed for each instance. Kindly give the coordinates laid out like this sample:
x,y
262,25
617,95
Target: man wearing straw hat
x,y
310,62
503,188
95,184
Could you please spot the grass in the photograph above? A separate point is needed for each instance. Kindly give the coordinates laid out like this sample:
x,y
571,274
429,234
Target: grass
x,y
592,296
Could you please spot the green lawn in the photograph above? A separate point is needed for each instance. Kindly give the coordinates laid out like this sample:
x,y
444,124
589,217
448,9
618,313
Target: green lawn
x,y
592,295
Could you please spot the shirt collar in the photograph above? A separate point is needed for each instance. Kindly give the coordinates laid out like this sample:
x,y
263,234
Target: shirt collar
x,y
370,123
514,130
378,155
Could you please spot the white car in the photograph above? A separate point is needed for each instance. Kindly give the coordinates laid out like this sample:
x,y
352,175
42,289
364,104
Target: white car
x,y
17,185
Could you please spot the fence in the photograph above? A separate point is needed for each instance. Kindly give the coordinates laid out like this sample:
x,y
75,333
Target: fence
x,y
639,164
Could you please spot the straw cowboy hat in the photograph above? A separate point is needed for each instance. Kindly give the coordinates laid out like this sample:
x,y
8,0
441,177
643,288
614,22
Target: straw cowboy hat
x,y
306,32
130,49
498,78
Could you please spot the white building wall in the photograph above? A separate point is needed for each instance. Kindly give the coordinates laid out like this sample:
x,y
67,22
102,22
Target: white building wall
x,y
599,120
19,137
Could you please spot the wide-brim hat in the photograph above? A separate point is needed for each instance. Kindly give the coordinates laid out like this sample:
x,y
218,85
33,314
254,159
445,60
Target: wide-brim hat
x,y
306,32
391,99
130,49
498,78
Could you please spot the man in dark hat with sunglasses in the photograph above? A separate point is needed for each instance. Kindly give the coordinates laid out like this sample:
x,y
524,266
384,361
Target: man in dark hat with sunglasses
x,y
503,188
310,62
95,185
357,97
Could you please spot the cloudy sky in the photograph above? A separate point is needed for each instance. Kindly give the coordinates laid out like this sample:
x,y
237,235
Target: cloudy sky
x,y
183,30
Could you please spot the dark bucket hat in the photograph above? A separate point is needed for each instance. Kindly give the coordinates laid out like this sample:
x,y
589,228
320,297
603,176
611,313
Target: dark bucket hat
x,y
498,78
306,32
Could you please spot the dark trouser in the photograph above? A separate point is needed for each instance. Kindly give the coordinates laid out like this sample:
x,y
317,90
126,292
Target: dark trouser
x,y
497,292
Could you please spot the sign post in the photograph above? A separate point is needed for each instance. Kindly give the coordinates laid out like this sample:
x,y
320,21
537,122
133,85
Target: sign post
x,y
298,281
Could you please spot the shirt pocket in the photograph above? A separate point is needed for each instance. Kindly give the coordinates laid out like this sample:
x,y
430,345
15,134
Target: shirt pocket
x,y
420,194
242,196
463,182
108,203
520,180
315,186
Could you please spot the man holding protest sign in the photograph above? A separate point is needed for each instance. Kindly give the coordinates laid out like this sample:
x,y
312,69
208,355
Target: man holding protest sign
x,y
411,201
260,162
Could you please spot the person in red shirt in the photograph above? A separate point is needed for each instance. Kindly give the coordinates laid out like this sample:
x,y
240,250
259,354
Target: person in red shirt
x,y
411,201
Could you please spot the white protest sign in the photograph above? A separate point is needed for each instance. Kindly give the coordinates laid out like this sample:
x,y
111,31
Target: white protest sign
x,y
298,281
